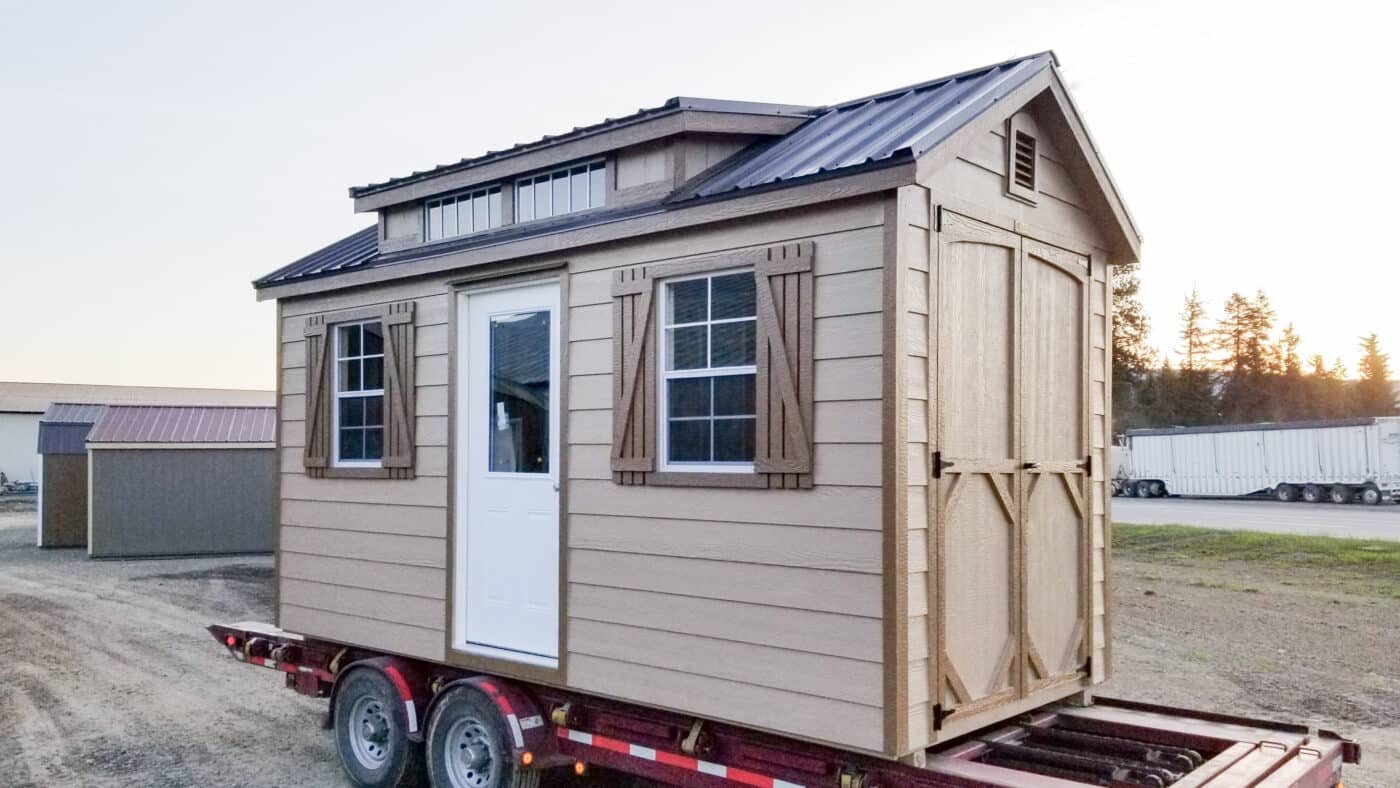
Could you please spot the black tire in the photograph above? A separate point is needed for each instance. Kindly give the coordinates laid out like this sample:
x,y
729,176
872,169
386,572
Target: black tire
x,y
1339,494
468,745
1370,495
1312,493
1157,489
1286,493
371,732
1143,489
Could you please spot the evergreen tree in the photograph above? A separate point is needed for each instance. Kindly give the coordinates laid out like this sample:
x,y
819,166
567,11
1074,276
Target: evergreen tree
x,y
1193,390
1374,395
1290,395
1132,358
1242,336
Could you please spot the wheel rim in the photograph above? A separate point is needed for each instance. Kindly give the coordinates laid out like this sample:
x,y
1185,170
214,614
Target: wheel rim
x,y
470,754
371,729
1340,496
1371,496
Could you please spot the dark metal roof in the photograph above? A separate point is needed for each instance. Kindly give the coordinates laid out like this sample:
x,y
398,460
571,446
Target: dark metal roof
x,y
1318,424
904,123
72,413
673,105
174,424
841,140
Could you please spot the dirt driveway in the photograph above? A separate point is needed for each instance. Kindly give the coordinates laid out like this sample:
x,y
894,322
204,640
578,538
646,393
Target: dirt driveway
x,y
108,679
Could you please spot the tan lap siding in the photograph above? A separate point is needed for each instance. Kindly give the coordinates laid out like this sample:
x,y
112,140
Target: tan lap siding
x,y
364,560
757,606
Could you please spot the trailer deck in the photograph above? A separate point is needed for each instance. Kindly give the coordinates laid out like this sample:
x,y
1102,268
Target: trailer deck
x,y
1108,743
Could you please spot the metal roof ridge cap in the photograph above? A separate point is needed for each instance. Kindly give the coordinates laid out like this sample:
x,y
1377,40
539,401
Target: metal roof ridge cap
x,y
939,80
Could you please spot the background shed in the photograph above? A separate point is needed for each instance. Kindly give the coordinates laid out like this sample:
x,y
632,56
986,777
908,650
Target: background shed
x,y
181,481
63,492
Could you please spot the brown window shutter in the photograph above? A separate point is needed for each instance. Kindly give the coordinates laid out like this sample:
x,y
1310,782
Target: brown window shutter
x,y
785,330
399,394
634,378
316,452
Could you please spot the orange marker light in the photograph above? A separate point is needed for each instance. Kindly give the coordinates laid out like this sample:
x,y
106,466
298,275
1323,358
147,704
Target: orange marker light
x,y
528,758
580,767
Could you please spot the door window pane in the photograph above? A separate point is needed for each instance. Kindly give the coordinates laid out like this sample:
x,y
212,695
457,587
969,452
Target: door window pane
x,y
520,388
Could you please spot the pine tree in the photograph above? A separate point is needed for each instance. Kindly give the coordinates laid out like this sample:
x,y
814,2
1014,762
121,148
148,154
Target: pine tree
x,y
1195,341
1242,336
1374,395
1291,396
1193,388
1132,358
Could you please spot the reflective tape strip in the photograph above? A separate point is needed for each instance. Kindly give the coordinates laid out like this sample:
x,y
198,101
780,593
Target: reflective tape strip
x,y
396,679
502,703
735,775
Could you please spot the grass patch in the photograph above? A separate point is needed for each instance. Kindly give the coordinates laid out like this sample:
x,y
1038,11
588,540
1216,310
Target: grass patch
x,y
1180,542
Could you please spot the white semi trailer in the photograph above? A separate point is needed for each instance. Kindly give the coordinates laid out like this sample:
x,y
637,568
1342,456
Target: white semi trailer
x,y
1340,461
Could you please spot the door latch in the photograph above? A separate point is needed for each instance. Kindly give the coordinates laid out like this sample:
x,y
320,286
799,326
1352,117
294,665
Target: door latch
x,y
940,464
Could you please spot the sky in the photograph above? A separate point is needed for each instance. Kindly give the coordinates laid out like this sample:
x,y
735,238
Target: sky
x,y
159,156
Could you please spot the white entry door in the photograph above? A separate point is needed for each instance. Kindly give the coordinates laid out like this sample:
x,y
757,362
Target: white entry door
x,y
507,460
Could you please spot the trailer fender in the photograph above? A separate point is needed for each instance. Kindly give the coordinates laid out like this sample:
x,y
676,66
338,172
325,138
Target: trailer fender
x,y
413,693
529,731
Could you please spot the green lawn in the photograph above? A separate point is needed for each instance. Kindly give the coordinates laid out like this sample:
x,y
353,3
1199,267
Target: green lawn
x,y
1357,558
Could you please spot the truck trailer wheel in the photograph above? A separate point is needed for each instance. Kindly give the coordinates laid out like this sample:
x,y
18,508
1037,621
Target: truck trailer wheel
x,y
1339,494
1312,493
1286,493
371,731
1143,489
1370,495
468,745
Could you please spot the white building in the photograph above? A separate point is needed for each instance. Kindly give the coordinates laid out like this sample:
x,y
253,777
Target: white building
x,y
21,405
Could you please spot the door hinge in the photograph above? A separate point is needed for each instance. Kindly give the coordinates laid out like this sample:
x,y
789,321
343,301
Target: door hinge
x,y
938,218
939,715
1089,666
940,464
1089,465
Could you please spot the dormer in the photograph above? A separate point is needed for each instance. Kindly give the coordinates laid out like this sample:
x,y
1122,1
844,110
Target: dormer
x,y
617,165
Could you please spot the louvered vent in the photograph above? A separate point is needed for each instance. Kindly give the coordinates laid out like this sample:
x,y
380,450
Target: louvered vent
x,y
1023,162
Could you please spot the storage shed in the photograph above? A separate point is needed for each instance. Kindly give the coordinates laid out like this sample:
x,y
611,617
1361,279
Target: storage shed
x,y
786,416
63,493
181,481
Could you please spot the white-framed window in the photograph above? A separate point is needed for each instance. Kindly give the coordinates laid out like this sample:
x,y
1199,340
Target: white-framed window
x,y
708,351
358,429
568,189
461,214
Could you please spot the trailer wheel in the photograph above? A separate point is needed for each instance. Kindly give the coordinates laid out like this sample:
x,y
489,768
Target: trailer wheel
x,y
1370,495
1340,494
1143,489
1157,489
371,731
1312,493
468,745
1286,493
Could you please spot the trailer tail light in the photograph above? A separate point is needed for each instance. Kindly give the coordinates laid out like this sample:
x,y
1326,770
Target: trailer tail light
x,y
528,758
231,641
580,767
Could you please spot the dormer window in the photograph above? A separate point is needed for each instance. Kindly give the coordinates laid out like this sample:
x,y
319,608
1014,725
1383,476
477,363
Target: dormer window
x,y
565,190
461,214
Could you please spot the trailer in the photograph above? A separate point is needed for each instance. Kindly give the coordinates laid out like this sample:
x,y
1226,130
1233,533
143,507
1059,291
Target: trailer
x,y
395,717
1341,461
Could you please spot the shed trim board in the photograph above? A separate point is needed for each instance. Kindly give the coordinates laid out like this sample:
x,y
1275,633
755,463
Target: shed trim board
x,y
700,575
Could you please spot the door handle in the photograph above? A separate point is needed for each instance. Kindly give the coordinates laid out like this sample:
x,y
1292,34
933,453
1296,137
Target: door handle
x,y
556,486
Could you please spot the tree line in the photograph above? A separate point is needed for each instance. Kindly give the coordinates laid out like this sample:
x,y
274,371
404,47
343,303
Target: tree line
x,y
1234,368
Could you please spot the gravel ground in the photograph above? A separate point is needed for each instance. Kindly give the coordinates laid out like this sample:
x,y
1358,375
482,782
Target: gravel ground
x,y
108,679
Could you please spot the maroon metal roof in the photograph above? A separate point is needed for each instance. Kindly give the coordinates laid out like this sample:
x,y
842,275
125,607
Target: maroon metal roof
x,y
174,424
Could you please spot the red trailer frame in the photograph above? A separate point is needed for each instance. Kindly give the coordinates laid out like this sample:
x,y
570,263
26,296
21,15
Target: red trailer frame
x,y
1111,742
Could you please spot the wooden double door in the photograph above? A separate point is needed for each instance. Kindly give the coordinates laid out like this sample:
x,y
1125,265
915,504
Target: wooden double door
x,y
1009,409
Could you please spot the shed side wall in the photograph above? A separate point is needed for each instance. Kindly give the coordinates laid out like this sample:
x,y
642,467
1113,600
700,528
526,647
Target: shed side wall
x,y
64,517
150,502
762,607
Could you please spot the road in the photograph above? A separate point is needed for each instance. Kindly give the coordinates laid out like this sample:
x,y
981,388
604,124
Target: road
x,y
1323,519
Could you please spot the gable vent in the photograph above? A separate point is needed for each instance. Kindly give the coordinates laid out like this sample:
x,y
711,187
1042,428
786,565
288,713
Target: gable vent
x,y
1021,158
1023,167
